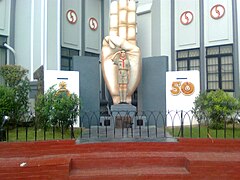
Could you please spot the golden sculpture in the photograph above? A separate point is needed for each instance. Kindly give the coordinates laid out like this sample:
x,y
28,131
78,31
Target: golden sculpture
x,y
63,89
121,59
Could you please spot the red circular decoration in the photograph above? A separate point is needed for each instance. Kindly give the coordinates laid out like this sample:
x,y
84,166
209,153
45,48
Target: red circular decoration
x,y
217,11
186,17
93,24
71,16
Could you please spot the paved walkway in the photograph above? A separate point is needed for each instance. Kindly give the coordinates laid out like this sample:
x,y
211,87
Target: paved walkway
x,y
110,134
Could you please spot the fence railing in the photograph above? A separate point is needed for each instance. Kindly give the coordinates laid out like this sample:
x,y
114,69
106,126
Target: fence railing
x,y
148,125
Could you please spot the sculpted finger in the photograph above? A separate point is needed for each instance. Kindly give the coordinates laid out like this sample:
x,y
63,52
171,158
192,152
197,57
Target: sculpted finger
x,y
123,20
112,44
127,20
124,44
131,31
108,42
116,40
108,48
113,19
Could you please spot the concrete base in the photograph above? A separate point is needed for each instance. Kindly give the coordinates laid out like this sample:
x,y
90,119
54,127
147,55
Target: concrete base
x,y
106,121
123,115
140,121
123,110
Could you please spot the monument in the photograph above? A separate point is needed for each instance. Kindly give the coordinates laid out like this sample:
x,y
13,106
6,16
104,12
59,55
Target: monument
x,y
120,47
121,58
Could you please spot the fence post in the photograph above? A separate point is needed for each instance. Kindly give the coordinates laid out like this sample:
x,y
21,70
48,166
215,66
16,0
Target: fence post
x,y
182,123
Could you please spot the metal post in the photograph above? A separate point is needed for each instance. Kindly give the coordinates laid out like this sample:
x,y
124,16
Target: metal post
x,y
182,123
2,134
173,35
202,49
235,48
2,130
83,28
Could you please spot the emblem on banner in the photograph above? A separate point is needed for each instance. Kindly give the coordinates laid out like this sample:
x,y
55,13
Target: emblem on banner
x,y
186,88
63,89
71,16
217,11
186,17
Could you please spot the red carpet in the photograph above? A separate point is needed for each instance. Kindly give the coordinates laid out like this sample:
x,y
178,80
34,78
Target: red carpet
x,y
186,159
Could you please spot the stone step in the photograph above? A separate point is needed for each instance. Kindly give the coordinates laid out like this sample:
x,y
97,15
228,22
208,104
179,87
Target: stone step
x,y
221,168
127,161
185,159
123,172
127,167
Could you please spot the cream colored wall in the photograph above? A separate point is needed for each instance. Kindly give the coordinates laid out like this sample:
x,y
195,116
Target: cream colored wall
x,y
5,6
144,34
165,32
23,34
187,36
93,38
220,31
53,35
154,28
71,33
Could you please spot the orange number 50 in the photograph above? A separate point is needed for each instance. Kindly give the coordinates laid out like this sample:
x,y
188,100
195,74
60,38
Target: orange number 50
x,y
186,88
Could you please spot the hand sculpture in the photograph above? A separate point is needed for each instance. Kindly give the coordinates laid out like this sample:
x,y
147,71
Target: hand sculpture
x,y
121,59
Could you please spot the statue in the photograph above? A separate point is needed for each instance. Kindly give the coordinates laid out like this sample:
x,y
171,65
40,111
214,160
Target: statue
x,y
121,59
123,65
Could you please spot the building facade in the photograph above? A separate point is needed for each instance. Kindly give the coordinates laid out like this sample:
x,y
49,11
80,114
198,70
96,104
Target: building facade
x,y
194,34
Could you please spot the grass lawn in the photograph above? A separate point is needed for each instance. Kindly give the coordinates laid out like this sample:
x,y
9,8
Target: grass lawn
x,y
194,132
29,134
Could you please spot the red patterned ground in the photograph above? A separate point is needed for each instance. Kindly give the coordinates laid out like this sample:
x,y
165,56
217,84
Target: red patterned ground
x,y
186,159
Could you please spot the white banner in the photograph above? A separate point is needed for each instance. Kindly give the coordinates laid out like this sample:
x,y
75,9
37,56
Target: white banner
x,y
182,87
58,78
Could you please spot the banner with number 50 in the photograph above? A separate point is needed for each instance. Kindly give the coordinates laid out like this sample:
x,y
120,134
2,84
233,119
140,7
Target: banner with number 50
x,y
182,87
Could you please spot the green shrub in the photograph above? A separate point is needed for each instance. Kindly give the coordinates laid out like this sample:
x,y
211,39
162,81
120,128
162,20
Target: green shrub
x,y
43,108
215,106
54,108
7,101
13,74
15,77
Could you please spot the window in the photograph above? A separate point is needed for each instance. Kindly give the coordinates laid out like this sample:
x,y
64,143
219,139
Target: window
x,y
3,51
66,58
91,54
3,54
188,60
220,68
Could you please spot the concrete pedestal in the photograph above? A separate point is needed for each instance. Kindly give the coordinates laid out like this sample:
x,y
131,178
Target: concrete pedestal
x,y
123,115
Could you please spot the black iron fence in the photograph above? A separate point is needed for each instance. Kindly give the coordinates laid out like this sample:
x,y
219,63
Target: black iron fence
x,y
125,125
